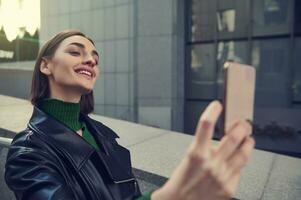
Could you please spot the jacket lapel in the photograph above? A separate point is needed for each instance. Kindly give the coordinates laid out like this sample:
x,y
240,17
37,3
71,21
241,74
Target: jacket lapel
x,y
60,136
115,158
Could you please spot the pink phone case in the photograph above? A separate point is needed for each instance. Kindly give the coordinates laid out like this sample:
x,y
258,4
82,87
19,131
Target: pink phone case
x,y
239,92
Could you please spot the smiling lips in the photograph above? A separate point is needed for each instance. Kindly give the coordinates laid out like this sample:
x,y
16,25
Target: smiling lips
x,y
87,72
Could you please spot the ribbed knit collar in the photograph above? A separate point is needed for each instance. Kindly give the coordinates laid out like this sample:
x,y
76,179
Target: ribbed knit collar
x,y
65,112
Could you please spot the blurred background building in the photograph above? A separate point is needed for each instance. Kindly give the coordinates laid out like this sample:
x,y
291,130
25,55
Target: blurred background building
x,y
161,60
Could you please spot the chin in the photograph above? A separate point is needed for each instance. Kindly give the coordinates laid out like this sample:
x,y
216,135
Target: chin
x,y
85,90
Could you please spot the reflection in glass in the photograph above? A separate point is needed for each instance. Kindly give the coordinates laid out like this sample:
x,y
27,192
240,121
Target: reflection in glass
x,y
202,72
226,20
275,12
19,30
276,124
202,62
202,20
270,57
18,17
271,16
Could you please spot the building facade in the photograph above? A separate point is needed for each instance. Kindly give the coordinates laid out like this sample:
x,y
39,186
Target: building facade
x,y
161,60
141,57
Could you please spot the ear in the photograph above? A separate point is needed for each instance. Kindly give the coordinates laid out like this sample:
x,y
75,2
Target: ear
x,y
45,66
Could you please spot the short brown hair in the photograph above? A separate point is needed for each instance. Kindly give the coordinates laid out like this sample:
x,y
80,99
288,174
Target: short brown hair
x,y
40,85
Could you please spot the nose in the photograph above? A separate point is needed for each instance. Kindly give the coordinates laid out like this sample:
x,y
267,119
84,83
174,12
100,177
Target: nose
x,y
89,60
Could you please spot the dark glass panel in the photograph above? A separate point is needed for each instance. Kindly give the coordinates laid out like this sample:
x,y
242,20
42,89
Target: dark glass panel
x,y
270,57
202,72
232,19
297,68
271,17
297,17
202,20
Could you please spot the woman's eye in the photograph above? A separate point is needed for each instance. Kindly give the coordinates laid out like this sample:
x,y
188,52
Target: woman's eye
x,y
75,53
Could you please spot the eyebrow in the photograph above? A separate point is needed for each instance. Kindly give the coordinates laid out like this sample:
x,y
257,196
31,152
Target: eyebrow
x,y
80,45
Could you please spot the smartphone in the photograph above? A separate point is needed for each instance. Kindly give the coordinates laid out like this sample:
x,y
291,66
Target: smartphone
x,y
239,90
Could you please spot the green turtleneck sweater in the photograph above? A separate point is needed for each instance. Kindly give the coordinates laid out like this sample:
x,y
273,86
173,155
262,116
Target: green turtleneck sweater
x,y
68,114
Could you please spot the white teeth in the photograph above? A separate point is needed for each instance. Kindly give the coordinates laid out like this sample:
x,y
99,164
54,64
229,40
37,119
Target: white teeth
x,y
85,72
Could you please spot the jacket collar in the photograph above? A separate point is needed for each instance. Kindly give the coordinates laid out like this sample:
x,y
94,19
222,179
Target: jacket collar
x,y
66,139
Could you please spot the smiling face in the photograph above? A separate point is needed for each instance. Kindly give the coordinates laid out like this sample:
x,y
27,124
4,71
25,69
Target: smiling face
x,y
73,70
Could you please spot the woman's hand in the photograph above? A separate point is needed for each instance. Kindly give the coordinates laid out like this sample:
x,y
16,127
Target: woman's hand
x,y
210,172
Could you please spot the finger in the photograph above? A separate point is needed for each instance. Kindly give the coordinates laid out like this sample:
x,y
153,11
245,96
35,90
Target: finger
x,y
206,124
232,184
232,140
240,157
220,184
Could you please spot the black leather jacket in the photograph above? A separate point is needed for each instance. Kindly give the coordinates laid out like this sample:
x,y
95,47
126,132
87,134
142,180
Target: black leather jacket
x,y
50,161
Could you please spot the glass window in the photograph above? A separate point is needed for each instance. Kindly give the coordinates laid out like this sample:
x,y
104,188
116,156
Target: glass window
x,y
219,18
226,20
229,51
271,17
297,69
270,57
7,49
297,16
202,20
202,72
232,18
19,30
276,127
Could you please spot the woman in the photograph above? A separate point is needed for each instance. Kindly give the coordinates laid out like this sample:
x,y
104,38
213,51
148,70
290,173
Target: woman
x,y
64,154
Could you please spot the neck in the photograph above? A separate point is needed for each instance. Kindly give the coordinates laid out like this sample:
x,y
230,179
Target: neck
x,y
64,94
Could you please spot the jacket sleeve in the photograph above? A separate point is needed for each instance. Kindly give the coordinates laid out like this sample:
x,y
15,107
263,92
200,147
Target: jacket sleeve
x,y
32,176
